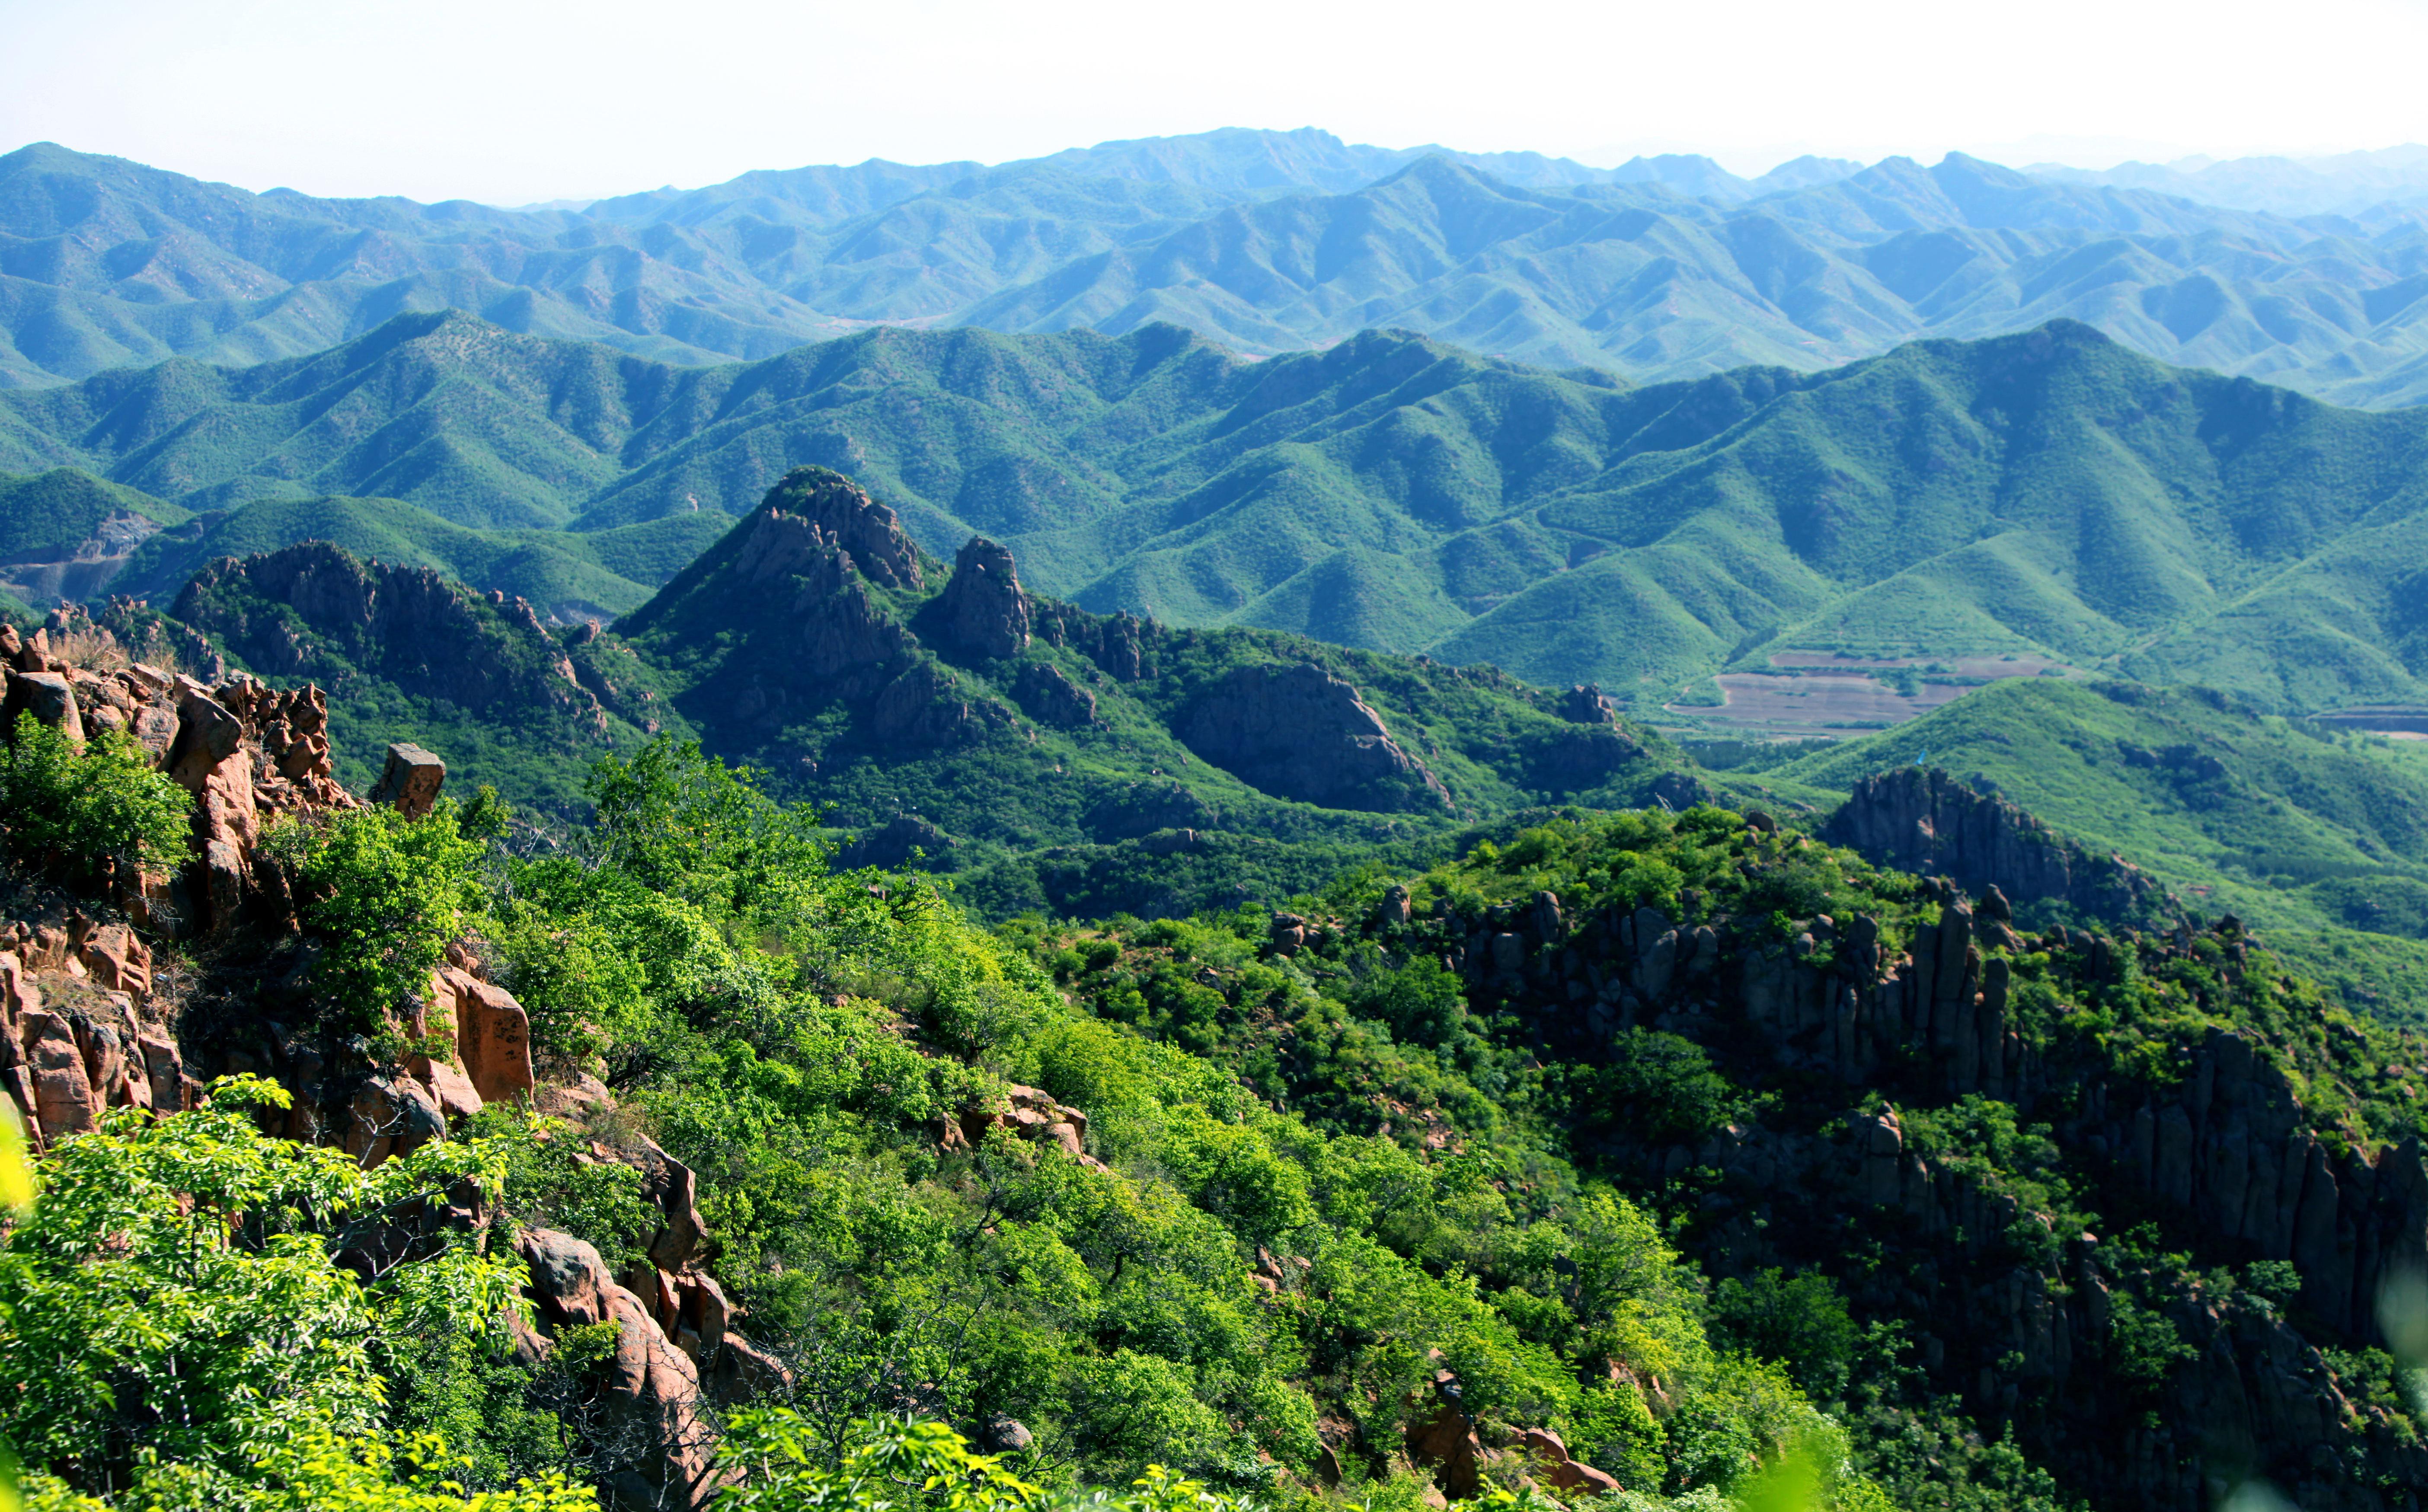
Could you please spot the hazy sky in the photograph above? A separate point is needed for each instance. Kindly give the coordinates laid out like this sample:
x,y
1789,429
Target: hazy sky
x,y
509,102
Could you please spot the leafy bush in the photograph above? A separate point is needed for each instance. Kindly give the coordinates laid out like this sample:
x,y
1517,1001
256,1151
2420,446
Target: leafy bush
x,y
386,894
92,811
180,1333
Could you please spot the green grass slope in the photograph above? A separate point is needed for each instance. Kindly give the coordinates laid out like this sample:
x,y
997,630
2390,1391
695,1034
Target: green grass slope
x,y
2268,817
2320,836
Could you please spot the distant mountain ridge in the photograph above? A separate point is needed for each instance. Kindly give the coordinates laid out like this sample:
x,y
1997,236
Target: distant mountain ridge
x,y
1268,241
2051,494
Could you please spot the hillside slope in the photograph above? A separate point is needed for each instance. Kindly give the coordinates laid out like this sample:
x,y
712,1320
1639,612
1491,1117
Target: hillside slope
x,y
2269,818
2050,495
1054,755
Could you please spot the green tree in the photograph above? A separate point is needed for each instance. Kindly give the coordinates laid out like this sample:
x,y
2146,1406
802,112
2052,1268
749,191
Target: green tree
x,y
385,894
180,1333
89,811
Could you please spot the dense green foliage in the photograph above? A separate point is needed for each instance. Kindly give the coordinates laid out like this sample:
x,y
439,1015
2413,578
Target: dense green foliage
x,y
90,812
795,1035
1360,1032
180,1333
385,895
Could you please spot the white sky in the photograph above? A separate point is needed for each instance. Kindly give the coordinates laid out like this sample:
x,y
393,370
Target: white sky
x,y
509,101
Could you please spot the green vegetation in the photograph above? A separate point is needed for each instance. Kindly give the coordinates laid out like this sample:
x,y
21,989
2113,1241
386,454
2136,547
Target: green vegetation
x,y
2281,822
180,1332
2050,494
92,815
1268,241
385,894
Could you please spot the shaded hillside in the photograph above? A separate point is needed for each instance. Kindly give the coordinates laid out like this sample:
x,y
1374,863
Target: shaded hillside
x,y
2274,819
945,710
65,534
1660,269
2101,1218
2049,495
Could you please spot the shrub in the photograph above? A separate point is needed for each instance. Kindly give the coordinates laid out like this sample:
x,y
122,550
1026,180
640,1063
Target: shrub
x,y
386,894
89,811
1800,1321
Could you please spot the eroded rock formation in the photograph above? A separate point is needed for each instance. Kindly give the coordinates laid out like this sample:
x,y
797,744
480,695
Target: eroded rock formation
x,y
982,610
1297,731
1922,820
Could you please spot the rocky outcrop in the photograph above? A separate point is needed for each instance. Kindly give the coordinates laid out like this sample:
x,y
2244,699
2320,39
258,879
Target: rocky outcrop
x,y
982,611
1026,1113
75,1037
1298,732
647,1427
287,612
1584,755
410,781
1922,820
841,512
2220,1153
492,1034
1048,695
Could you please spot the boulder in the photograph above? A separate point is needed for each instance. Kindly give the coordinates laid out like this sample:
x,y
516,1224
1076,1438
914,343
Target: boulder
x,y
118,960
410,781
648,1420
48,697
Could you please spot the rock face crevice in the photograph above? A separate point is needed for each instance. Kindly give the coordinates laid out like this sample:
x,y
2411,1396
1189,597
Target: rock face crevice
x,y
1298,732
1922,820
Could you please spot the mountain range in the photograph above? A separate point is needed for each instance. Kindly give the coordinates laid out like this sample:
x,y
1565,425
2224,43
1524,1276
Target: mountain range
x,y
2050,497
1269,242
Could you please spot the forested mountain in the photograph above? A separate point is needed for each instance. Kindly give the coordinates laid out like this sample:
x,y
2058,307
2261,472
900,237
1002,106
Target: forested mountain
x,y
1267,241
1640,1161
2051,495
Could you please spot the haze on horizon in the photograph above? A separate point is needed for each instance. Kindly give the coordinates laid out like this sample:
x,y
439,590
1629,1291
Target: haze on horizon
x,y
511,102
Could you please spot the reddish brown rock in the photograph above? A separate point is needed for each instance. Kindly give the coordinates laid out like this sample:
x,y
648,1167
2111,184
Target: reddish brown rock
x,y
118,960
410,781
63,1099
492,1034
652,1393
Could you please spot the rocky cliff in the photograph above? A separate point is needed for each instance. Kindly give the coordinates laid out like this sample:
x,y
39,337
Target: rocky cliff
x,y
315,610
1924,821
2219,1137
87,1024
1298,732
